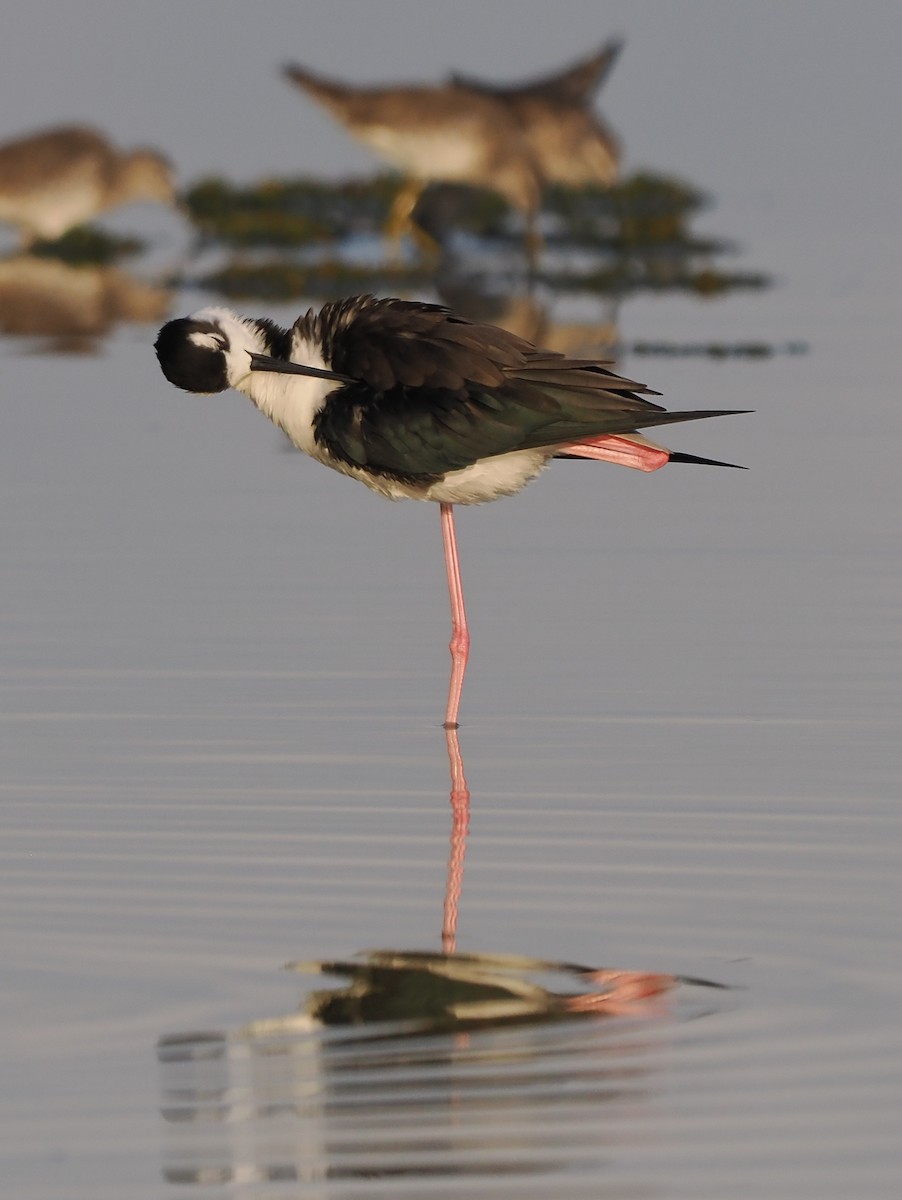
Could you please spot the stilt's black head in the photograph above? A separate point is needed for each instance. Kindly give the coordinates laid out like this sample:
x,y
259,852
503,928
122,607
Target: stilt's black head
x,y
193,355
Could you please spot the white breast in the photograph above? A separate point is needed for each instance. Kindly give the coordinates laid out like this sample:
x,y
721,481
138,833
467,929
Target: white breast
x,y
293,401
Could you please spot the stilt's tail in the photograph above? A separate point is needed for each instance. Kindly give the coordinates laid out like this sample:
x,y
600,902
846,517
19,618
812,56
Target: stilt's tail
x,y
335,96
575,84
634,450
679,457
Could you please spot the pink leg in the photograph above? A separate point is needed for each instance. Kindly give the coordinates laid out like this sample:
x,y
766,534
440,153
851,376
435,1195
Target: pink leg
x,y
460,821
460,635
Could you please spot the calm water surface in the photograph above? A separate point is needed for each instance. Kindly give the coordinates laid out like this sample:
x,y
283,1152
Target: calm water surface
x,y
223,679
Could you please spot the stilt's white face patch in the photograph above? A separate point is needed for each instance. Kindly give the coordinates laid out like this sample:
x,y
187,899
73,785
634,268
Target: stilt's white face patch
x,y
207,340
234,336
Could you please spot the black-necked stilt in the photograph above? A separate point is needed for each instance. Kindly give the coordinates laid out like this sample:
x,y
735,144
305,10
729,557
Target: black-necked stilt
x,y
510,139
420,404
53,180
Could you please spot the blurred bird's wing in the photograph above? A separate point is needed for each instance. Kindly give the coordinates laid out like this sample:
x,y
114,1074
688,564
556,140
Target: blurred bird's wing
x,y
576,84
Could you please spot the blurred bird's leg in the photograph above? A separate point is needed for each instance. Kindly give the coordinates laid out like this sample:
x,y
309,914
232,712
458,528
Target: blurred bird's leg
x,y
400,222
532,240
460,823
460,634
400,215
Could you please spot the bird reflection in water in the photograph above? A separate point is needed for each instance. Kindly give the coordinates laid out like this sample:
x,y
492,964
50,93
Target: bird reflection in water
x,y
72,306
532,316
460,827
453,990
424,1064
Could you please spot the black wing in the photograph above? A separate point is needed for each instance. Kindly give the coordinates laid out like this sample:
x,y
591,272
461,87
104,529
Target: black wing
x,y
435,393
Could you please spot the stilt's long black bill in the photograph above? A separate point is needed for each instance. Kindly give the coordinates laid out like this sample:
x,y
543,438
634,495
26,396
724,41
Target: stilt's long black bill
x,y
278,366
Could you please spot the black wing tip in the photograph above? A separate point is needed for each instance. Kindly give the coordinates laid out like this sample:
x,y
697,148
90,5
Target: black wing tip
x,y
725,412
676,456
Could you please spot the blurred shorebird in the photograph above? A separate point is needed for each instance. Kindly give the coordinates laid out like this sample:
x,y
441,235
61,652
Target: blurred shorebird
x,y
59,178
511,139
417,403
569,142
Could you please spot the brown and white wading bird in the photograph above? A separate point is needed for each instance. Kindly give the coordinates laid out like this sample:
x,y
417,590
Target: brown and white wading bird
x,y
569,141
511,139
419,404
53,180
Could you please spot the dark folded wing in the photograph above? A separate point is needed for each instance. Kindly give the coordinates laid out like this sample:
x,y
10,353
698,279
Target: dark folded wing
x,y
437,393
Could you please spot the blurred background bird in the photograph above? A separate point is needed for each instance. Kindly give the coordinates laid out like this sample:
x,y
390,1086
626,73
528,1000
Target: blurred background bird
x,y
511,139
569,141
56,179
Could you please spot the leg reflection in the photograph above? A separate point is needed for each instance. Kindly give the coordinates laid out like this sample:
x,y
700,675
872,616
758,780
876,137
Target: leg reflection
x,y
460,824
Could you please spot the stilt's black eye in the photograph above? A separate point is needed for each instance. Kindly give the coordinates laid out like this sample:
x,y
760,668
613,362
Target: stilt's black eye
x,y
192,355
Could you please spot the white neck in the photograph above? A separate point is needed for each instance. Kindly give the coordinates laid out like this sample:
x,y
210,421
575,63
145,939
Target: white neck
x,y
292,401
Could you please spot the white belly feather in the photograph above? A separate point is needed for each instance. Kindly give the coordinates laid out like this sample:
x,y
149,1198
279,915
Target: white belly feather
x,y
487,479
490,478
